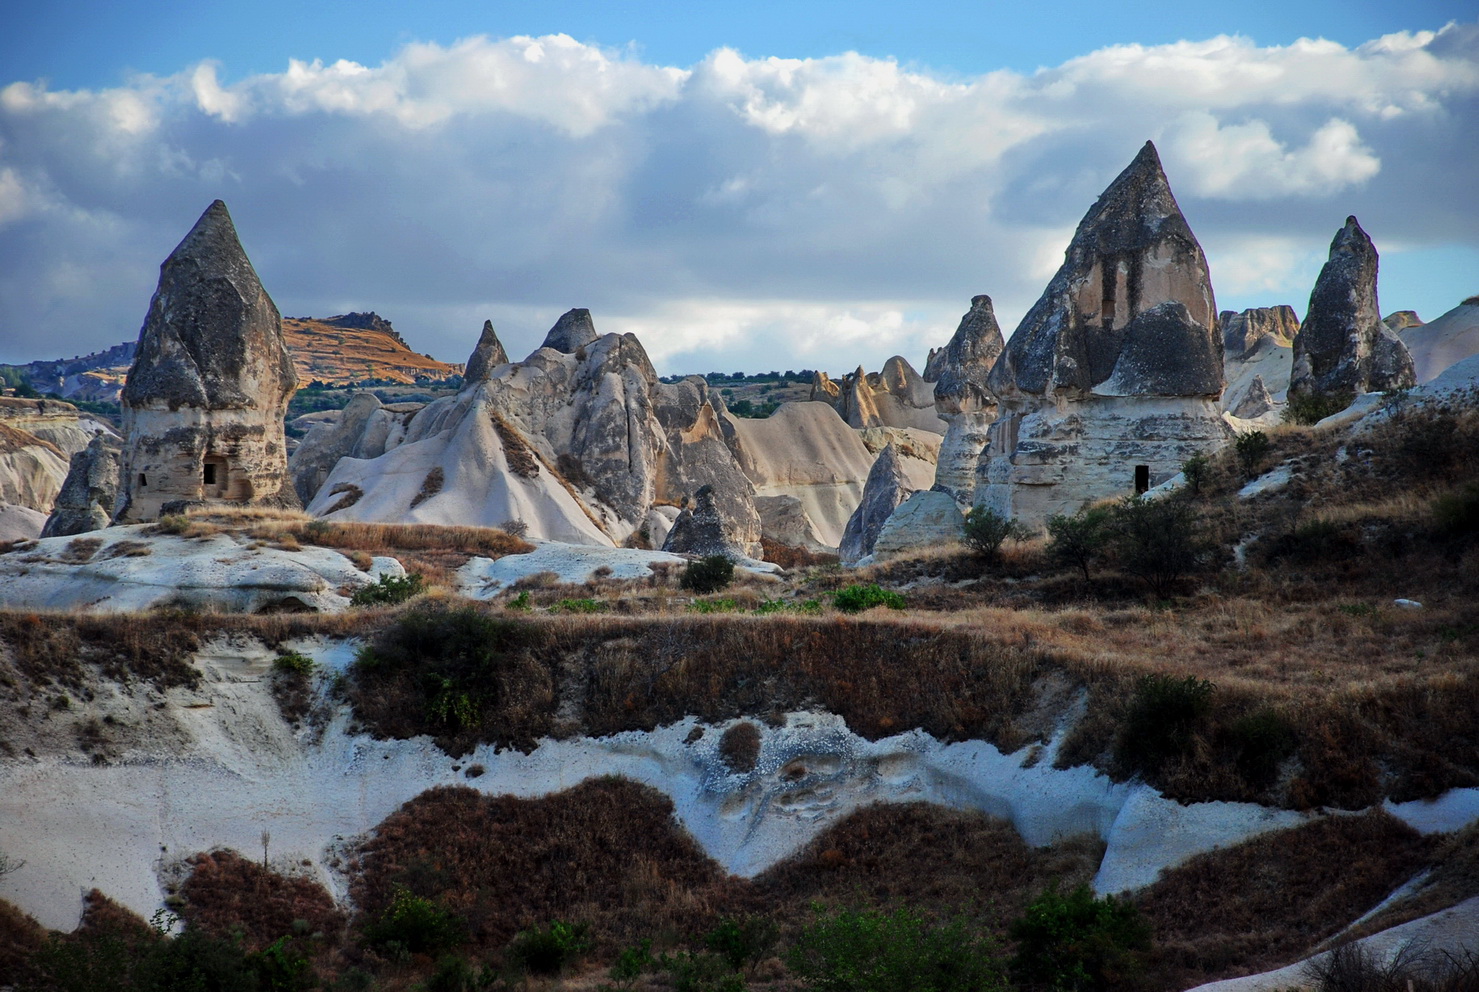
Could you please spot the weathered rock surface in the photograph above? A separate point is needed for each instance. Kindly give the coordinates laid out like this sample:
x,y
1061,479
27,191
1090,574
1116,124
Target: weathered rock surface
x,y
927,519
203,407
578,445
128,568
701,529
806,451
1112,379
1254,402
1242,332
60,424
573,331
897,396
886,488
89,493
1444,342
1401,320
963,399
20,523
31,470
487,356
1343,349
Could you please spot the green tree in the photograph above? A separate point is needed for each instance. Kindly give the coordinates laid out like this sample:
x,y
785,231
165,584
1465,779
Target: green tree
x,y
986,531
1156,540
1080,540
1077,943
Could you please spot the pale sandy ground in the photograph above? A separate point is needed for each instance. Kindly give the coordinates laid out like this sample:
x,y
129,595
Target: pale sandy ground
x,y
217,767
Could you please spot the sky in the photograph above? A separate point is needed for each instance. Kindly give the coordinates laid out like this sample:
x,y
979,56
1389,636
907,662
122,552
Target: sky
x,y
747,187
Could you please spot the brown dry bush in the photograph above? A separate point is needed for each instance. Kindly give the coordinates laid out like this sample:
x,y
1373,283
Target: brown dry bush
x,y
928,857
607,853
228,894
516,451
1267,901
740,747
61,648
20,937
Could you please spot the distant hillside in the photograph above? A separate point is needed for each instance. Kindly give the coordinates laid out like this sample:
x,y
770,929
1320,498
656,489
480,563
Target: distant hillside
x,y
356,346
337,351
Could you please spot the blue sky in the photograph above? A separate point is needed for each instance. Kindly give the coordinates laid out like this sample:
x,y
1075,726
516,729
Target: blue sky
x,y
751,186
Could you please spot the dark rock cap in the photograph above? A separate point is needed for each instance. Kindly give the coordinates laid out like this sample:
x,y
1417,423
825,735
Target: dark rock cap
x,y
573,331
962,367
701,530
213,337
1343,348
487,356
1132,252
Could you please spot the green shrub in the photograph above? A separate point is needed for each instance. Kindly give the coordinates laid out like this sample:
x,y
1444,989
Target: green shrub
x,y
1080,540
1456,513
701,972
1311,408
520,602
1195,470
550,950
415,924
579,606
631,964
1077,943
388,590
873,951
986,531
454,660
857,598
708,574
1261,740
1252,448
293,663
1162,719
1156,540
743,941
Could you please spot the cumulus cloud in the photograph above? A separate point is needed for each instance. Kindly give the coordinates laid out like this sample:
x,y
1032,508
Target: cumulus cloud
x,y
740,213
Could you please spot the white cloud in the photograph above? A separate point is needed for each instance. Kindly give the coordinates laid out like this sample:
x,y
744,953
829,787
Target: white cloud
x,y
765,212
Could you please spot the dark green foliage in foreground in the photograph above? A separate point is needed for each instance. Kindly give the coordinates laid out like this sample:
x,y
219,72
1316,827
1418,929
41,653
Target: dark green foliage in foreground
x,y
1311,408
1165,714
1077,943
114,957
416,925
1456,513
743,941
454,656
550,950
708,574
388,590
874,951
856,599
1252,448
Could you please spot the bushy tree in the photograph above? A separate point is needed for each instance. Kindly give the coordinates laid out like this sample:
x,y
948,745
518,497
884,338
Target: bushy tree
x,y
986,531
1077,943
1156,540
1252,448
708,574
1081,539
874,951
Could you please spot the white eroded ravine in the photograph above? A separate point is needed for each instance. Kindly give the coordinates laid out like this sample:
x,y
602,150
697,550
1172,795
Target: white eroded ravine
x,y
238,770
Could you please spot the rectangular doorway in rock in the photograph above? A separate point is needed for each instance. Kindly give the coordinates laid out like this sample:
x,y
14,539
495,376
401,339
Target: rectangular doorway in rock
x,y
213,476
1142,478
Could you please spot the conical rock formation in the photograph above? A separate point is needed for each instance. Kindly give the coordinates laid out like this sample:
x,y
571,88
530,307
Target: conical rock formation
x,y
963,399
1112,377
89,493
886,488
1343,349
487,356
204,402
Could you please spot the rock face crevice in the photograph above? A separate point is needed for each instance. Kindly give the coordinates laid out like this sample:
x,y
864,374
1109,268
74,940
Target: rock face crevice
x,y
211,379
1111,380
1343,348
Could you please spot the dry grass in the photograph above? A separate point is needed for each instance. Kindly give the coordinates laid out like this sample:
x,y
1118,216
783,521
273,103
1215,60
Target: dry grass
x,y
516,451
606,852
430,486
20,937
12,440
1270,900
228,894
341,355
